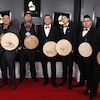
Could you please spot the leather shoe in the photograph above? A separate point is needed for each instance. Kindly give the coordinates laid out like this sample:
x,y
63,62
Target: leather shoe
x,y
86,92
21,80
78,85
13,86
45,82
35,80
3,84
62,83
92,97
69,87
54,84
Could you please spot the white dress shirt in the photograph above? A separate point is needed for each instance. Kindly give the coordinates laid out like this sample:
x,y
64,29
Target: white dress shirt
x,y
47,29
65,28
85,31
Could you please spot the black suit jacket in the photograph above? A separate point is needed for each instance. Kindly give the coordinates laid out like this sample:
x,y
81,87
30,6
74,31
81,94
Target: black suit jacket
x,y
70,34
91,37
53,36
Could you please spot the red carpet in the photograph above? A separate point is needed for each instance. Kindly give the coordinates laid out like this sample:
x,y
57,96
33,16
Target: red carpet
x,y
28,90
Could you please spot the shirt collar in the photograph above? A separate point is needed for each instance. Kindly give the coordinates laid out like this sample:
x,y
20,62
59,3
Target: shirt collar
x,y
47,26
66,25
5,27
86,29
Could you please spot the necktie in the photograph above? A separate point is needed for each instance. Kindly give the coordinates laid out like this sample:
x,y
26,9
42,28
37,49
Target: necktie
x,y
65,26
85,29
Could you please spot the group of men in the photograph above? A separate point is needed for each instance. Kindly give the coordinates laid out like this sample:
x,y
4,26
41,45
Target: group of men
x,y
88,66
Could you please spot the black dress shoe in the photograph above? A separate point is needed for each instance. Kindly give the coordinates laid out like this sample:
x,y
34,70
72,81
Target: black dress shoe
x,y
92,97
54,84
35,80
86,92
13,86
62,83
3,84
21,80
45,82
69,87
78,85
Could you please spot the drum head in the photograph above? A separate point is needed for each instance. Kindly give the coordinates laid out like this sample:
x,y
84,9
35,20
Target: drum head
x,y
63,47
9,41
98,57
31,42
85,49
49,49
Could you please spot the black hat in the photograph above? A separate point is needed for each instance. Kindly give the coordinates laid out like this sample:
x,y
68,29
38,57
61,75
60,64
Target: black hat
x,y
28,12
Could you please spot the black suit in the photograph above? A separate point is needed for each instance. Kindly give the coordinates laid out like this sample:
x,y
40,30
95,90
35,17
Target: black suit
x,y
96,67
8,58
86,63
26,54
53,36
68,60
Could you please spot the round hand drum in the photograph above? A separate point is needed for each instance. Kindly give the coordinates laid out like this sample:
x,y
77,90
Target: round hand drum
x,y
98,57
49,49
63,47
31,42
9,41
85,49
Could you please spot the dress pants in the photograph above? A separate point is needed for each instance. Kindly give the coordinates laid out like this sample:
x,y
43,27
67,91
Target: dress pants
x,y
27,55
96,79
67,65
10,62
86,71
53,69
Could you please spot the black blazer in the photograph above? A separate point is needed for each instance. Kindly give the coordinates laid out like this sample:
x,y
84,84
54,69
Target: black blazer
x,y
53,36
70,34
91,37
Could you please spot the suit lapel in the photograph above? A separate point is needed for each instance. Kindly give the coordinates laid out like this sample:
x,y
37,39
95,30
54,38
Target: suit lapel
x,y
43,32
67,30
50,31
61,28
89,33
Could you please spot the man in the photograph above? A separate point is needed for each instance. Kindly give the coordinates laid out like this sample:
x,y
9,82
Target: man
x,y
96,66
87,34
27,28
67,32
8,57
48,32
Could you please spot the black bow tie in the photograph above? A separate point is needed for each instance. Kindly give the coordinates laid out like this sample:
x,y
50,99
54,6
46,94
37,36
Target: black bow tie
x,y
85,29
65,26
47,27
